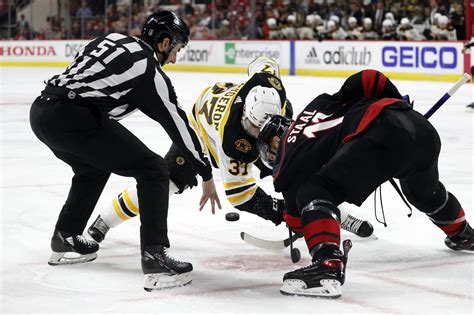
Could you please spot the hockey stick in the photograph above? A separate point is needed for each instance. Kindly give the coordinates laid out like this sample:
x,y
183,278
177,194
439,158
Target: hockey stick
x,y
447,95
266,244
282,244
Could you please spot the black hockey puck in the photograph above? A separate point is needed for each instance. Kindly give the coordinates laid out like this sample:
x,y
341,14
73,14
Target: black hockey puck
x,y
232,216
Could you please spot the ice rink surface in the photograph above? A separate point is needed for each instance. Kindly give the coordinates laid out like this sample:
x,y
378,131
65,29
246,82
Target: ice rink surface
x,y
407,270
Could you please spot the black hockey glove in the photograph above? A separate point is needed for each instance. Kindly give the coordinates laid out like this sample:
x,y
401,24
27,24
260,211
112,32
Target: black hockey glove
x,y
265,206
181,171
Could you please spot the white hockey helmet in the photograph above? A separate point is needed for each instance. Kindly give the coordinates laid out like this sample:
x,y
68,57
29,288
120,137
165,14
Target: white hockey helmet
x,y
260,104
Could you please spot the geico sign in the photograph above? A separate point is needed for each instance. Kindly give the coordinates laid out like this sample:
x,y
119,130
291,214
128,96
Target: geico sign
x,y
23,51
420,57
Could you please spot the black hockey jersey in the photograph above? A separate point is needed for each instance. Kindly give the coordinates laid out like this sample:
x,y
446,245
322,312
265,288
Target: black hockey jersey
x,y
325,125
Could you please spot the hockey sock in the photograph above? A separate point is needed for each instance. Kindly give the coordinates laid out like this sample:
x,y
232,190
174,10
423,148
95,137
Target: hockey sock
x,y
123,208
321,222
449,217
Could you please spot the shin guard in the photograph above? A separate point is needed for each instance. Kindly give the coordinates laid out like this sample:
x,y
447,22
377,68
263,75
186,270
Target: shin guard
x,y
321,221
445,211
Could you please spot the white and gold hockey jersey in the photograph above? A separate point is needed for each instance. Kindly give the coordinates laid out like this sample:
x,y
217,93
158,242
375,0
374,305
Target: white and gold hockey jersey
x,y
216,116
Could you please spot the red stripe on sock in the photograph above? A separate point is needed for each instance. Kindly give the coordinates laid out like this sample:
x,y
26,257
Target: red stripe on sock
x,y
322,226
293,222
454,228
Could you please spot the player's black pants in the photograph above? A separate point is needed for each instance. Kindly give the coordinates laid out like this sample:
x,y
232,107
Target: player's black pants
x,y
96,146
397,144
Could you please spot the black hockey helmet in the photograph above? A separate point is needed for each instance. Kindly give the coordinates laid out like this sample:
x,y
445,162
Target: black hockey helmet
x,y
275,126
165,24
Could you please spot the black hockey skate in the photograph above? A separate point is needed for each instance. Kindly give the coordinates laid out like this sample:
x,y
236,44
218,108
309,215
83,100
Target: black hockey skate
x,y
463,241
71,249
323,278
359,227
161,271
98,230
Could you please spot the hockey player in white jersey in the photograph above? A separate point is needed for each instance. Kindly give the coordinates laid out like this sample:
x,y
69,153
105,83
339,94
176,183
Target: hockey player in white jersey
x,y
228,117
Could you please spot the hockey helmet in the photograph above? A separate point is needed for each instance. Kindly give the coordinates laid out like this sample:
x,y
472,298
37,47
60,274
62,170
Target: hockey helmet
x,y
275,126
260,104
165,24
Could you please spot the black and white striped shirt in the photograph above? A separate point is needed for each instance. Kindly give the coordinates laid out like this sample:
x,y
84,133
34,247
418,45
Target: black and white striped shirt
x,y
120,75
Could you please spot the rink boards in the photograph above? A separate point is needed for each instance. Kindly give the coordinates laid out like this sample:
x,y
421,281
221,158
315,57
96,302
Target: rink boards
x,y
414,60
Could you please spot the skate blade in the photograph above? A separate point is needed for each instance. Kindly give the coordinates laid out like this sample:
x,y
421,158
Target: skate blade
x,y
70,258
330,289
160,281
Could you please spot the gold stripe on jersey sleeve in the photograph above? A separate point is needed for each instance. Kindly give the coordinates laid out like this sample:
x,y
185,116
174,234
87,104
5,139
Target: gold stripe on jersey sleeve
x,y
129,202
283,109
238,184
118,211
242,196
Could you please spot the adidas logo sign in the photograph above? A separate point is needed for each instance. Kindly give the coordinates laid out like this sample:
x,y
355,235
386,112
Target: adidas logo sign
x,y
312,56
312,53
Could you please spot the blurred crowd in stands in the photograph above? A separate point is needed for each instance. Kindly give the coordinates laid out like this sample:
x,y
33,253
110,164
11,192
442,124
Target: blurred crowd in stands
x,y
273,19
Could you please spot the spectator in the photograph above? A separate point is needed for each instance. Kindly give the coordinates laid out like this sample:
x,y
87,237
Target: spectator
x,y
307,31
84,11
407,32
356,11
378,15
458,21
433,10
289,31
23,29
388,30
353,30
445,32
22,23
367,30
273,32
335,31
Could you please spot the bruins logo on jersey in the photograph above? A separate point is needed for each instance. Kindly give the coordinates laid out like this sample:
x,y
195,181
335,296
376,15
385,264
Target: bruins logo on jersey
x,y
275,83
243,145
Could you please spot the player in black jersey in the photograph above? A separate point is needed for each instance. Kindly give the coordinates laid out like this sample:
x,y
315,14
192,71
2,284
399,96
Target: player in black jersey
x,y
76,117
340,148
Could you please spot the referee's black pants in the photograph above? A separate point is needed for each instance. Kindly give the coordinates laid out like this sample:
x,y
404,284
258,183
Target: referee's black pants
x,y
96,146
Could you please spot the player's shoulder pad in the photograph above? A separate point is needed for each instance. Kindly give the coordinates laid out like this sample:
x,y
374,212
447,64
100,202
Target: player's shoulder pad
x,y
266,80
